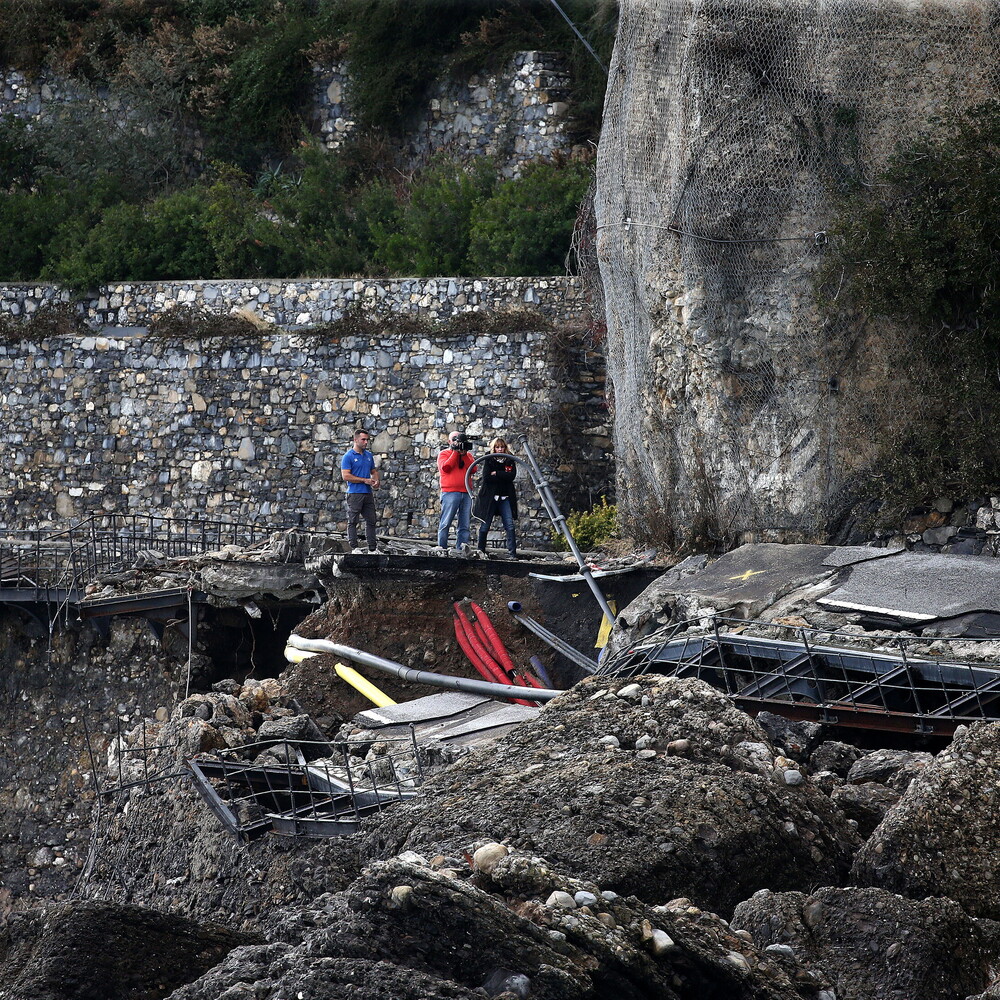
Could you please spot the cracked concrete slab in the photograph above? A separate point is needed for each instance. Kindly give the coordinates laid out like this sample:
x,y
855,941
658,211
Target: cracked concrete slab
x,y
920,587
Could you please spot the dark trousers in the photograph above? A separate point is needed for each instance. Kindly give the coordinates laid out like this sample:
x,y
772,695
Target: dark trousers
x,y
361,505
501,507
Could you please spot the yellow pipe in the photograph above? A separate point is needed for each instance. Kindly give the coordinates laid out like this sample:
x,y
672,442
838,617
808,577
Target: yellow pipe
x,y
362,684
349,674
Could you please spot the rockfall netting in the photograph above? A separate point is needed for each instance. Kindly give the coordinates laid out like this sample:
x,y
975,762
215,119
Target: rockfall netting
x,y
743,407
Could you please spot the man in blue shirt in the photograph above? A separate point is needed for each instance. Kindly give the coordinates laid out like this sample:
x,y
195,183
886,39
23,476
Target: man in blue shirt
x,y
357,469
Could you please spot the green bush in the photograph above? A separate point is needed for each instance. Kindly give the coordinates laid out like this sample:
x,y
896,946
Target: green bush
x,y
167,239
921,243
323,228
589,528
433,230
263,88
245,242
526,226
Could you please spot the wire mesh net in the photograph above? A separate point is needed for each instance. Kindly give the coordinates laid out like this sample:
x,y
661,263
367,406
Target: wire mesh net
x,y
742,407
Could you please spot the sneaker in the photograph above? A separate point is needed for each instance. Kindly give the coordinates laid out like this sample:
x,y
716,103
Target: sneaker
x,y
359,552
438,551
374,552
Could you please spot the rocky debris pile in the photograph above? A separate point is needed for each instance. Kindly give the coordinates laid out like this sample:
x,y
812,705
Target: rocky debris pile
x,y
941,838
596,852
873,943
656,787
97,949
503,924
282,566
230,716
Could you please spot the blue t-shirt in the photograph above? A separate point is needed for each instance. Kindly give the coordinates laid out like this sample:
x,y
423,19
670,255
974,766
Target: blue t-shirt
x,y
360,466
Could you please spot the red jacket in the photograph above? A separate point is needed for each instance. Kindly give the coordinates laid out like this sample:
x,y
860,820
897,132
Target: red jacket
x,y
452,466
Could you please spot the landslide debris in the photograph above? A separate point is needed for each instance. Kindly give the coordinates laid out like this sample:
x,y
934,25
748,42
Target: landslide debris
x,y
874,944
941,839
410,928
656,787
83,950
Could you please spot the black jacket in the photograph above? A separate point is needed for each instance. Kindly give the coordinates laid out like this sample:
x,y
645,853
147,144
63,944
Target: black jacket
x,y
497,474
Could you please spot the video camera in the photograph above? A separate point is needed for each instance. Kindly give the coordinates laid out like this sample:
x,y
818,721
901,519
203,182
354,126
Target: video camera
x,y
463,443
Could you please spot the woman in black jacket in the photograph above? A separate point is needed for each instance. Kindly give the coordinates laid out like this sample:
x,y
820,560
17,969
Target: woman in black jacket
x,y
497,494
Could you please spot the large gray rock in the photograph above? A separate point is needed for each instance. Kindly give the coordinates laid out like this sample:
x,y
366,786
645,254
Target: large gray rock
x,y
895,768
874,945
717,348
795,737
942,838
866,804
834,756
406,930
690,802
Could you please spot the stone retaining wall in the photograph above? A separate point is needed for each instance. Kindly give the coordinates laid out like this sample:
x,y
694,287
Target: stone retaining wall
x,y
256,430
307,301
518,115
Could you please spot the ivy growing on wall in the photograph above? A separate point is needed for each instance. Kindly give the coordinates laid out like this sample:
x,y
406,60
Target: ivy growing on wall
x,y
919,252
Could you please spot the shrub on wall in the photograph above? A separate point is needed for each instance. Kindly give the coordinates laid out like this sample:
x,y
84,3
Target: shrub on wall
x,y
920,247
433,219
525,227
323,215
169,238
590,528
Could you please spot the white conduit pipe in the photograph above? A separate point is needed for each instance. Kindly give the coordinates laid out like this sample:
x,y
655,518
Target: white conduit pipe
x,y
298,644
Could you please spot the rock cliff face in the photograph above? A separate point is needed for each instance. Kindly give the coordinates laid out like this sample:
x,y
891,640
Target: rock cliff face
x,y
741,407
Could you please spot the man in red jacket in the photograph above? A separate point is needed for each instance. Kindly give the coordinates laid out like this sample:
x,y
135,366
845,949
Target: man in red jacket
x,y
453,463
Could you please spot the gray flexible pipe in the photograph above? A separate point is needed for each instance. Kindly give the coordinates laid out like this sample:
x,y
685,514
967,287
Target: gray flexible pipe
x,y
466,684
558,644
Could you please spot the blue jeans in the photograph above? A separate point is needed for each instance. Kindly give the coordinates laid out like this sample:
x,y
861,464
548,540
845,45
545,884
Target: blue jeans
x,y
501,507
452,504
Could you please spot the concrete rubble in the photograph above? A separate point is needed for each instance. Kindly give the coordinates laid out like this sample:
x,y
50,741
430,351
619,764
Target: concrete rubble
x,y
639,837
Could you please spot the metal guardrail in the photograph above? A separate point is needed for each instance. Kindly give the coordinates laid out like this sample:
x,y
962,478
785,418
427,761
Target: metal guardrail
x,y
319,790
892,683
67,559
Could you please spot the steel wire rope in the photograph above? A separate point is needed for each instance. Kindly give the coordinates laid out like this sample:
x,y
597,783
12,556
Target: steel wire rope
x,y
576,31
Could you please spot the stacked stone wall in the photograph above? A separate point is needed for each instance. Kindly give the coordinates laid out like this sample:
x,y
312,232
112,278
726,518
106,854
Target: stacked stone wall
x,y
306,301
122,421
518,115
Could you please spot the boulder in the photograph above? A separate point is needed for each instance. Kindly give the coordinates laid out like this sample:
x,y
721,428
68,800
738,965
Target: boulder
x,y
298,729
405,930
942,838
795,736
873,944
692,801
835,757
75,951
895,768
865,804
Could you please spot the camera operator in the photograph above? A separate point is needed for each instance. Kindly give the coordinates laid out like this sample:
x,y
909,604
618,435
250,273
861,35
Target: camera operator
x,y
453,462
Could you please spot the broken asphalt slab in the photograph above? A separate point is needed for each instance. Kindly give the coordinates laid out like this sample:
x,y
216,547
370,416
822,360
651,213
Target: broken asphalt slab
x,y
749,581
920,587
